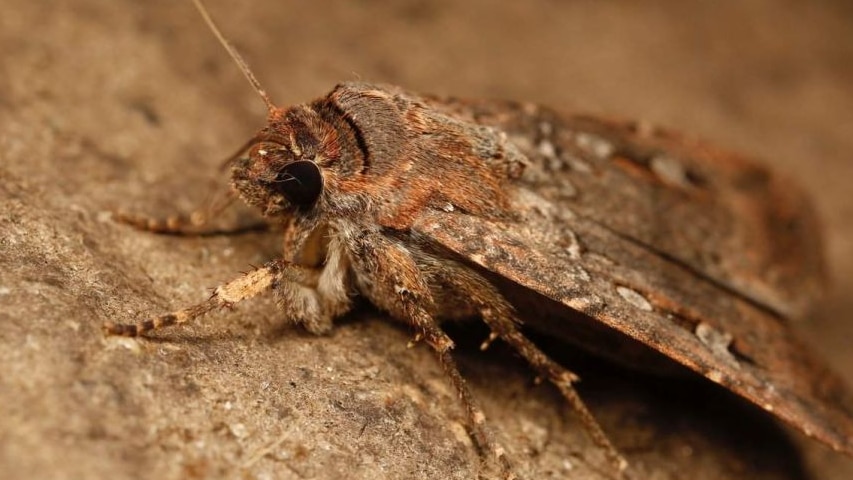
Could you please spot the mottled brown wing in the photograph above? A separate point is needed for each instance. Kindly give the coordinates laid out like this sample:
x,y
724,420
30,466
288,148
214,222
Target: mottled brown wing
x,y
724,216
692,252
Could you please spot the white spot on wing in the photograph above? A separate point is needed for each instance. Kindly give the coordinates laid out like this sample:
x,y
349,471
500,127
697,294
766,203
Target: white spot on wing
x,y
595,145
580,274
578,165
670,171
718,342
574,250
634,298
547,149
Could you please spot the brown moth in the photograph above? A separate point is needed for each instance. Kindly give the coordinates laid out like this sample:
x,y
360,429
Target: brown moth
x,y
628,240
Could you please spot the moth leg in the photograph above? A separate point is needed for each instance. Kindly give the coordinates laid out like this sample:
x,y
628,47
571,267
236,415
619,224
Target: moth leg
x,y
403,291
237,290
500,317
193,223
507,329
442,344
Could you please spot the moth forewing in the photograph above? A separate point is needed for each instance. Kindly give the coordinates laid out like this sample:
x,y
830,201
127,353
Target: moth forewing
x,y
722,319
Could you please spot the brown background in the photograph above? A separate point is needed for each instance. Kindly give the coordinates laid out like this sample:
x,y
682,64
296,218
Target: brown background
x,y
107,104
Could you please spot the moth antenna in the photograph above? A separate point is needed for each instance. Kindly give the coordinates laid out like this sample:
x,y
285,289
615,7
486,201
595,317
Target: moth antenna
x,y
244,67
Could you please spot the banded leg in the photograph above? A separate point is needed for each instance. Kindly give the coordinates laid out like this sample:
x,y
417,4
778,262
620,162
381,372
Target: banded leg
x,y
242,288
508,331
191,224
483,437
194,223
178,224
499,315
404,292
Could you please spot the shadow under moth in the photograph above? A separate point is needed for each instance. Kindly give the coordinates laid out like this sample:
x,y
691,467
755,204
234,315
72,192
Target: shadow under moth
x,y
437,209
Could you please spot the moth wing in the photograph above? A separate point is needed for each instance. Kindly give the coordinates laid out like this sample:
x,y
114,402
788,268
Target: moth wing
x,y
723,215
636,291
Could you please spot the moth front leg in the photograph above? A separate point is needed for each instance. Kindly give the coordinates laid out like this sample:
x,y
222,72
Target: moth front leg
x,y
197,221
274,274
388,275
186,224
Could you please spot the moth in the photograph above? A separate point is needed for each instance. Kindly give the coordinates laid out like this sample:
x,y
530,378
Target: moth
x,y
628,240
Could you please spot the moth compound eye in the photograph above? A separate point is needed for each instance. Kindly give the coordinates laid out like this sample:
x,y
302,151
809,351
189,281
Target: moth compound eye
x,y
300,182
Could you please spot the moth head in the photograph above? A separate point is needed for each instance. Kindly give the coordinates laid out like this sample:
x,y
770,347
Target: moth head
x,y
283,171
